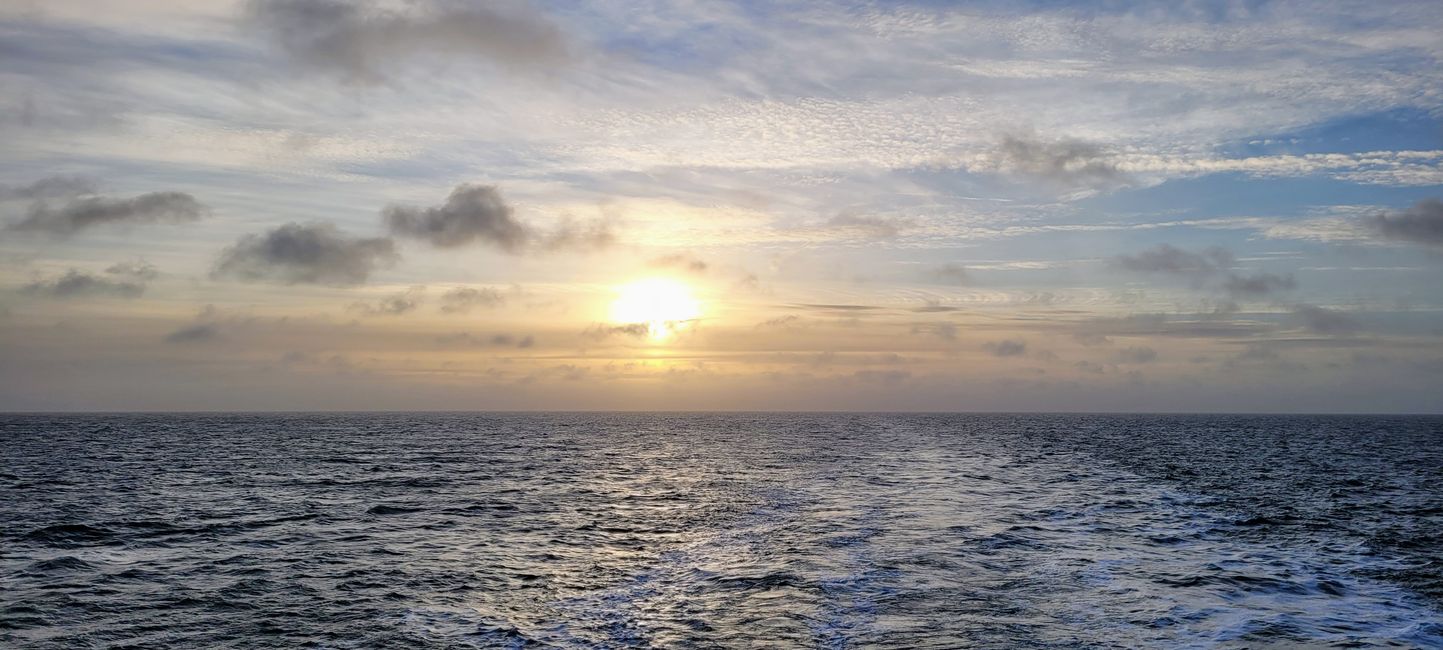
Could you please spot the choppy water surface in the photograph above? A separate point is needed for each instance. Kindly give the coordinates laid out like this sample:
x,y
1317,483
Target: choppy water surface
x,y
650,530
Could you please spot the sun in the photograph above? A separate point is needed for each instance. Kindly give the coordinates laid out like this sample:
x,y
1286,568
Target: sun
x,y
661,305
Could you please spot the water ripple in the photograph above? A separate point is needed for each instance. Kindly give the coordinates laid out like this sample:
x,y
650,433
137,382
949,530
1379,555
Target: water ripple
x,y
664,530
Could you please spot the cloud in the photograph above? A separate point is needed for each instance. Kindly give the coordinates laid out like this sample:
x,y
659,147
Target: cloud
x,y
194,333
465,339
393,305
463,299
944,331
1066,163
834,307
888,377
951,274
1165,258
88,212
130,282
781,321
75,283
1420,224
471,213
679,260
577,236
1006,348
1138,354
601,331
364,43
1200,267
1196,326
1258,284
314,253
139,270
51,187
868,227
1324,321
476,213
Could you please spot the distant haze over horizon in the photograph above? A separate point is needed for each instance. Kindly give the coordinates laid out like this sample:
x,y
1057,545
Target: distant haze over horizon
x,y
316,205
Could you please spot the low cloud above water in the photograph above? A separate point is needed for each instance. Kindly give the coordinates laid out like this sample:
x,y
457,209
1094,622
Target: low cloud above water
x,y
462,300
314,253
75,283
84,213
478,214
1420,224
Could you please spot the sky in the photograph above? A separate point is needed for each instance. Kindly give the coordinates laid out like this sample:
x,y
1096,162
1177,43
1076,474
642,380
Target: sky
x,y
708,205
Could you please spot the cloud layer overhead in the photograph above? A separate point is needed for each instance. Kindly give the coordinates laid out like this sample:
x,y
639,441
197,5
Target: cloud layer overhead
x,y
1086,206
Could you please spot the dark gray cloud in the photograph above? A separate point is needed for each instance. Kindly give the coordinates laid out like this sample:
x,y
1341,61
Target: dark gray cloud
x,y
314,253
194,333
1006,348
680,261
463,299
1068,163
1165,258
478,214
88,212
1258,284
130,282
76,283
366,43
1137,354
1324,321
52,187
471,213
392,305
1420,224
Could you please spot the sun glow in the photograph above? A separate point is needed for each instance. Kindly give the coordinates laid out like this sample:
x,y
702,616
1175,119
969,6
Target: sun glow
x,y
662,305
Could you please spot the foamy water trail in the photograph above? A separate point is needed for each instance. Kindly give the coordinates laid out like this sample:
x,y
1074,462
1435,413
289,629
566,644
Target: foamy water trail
x,y
718,531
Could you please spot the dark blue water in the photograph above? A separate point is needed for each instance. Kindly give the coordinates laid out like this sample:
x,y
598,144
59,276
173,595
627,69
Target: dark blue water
x,y
664,530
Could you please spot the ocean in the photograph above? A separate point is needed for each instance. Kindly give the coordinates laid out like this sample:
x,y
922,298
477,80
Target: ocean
x,y
662,530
